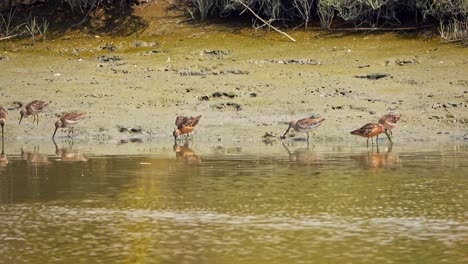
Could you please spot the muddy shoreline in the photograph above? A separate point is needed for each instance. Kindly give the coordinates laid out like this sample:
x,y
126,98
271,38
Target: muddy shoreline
x,y
243,86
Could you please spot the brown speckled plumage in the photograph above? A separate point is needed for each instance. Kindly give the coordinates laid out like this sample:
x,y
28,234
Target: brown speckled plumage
x,y
185,125
304,125
33,108
68,120
369,130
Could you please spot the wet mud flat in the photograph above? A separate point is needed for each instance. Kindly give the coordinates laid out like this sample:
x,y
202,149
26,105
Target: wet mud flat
x,y
243,85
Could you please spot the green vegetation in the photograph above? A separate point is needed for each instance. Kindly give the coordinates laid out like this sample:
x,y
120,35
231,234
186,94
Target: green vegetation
x,y
450,15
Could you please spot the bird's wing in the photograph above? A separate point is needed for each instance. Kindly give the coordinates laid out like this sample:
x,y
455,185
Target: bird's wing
x,y
37,105
73,117
309,122
193,121
189,122
179,120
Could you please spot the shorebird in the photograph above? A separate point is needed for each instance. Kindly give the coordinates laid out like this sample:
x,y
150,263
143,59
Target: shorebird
x,y
369,130
33,108
3,118
304,125
185,125
389,121
68,120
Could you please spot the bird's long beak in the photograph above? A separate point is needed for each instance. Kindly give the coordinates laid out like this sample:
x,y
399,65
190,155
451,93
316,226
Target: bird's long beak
x,y
56,127
21,118
287,130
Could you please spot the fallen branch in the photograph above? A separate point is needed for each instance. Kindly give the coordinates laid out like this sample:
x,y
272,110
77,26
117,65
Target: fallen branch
x,y
277,30
9,37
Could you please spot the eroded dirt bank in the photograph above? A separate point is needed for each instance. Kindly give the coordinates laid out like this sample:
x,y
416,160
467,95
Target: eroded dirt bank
x,y
243,85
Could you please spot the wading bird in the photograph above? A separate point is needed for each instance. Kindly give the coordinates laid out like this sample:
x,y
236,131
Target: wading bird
x,y
389,121
3,118
68,120
33,108
185,125
369,130
304,125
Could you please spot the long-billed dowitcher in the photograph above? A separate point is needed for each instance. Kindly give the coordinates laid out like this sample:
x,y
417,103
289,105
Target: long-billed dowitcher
x,y
68,120
185,125
3,118
369,130
33,108
389,121
304,125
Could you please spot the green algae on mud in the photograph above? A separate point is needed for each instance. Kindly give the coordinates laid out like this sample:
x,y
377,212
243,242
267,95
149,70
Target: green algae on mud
x,y
150,85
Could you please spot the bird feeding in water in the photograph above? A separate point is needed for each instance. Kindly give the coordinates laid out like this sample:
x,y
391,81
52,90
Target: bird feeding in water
x,y
304,125
68,120
185,125
389,121
369,130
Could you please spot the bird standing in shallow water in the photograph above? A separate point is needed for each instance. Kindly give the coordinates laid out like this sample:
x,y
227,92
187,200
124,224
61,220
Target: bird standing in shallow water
x,y
304,125
389,121
185,125
3,118
68,120
369,130
33,108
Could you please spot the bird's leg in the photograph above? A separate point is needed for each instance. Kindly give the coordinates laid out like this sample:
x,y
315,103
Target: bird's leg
x,y
388,136
34,118
377,140
372,140
367,142
307,137
37,119
287,130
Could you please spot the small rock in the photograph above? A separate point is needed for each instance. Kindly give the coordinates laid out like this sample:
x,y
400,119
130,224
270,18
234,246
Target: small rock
x,y
105,58
374,76
217,94
123,129
136,130
269,134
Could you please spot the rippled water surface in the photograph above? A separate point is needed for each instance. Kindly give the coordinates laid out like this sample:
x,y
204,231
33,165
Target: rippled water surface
x,y
266,204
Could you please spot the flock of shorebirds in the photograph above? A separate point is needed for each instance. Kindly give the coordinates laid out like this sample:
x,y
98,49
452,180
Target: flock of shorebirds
x,y
185,125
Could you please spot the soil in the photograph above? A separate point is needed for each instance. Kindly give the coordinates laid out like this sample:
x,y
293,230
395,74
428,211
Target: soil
x,y
244,82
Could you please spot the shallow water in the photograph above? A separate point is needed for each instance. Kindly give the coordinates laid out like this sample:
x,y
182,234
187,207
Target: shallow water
x,y
245,204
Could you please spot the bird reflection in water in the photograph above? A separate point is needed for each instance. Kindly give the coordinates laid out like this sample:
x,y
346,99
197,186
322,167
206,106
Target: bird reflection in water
x,y
69,154
185,153
378,159
302,155
35,157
